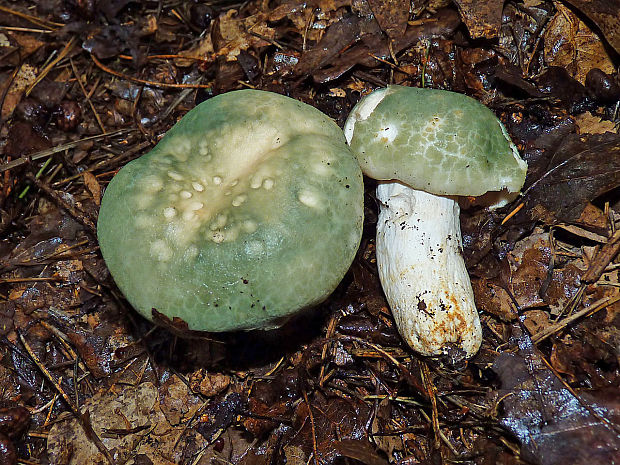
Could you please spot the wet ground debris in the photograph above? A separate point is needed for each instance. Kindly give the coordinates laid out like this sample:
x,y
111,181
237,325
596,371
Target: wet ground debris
x,y
85,87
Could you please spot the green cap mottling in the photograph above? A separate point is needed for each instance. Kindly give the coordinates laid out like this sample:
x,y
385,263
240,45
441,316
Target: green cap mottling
x,y
434,140
247,211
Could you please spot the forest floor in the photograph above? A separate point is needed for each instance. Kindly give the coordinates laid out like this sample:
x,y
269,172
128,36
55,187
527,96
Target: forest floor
x,y
86,87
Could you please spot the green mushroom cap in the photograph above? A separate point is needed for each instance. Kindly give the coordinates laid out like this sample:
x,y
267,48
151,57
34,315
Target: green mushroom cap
x,y
247,211
434,140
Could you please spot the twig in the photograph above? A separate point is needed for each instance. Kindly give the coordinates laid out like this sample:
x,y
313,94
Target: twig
x,y
410,378
86,95
331,328
516,210
602,259
33,19
432,395
59,148
45,71
26,29
79,216
82,419
554,328
315,448
144,81
28,280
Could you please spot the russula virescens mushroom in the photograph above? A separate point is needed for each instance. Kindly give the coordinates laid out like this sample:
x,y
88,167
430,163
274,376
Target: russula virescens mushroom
x,y
247,211
426,145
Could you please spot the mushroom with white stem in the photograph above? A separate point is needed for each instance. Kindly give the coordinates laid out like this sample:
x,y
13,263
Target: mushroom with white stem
x,y
426,146
247,211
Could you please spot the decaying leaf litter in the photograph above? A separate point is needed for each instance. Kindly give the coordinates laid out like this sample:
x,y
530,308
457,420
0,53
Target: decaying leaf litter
x,y
87,87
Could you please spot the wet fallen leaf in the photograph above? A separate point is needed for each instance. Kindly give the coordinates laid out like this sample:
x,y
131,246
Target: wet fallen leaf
x,y
493,299
571,44
580,169
316,424
131,423
93,186
587,123
208,384
391,15
219,415
603,13
361,42
554,426
483,19
24,140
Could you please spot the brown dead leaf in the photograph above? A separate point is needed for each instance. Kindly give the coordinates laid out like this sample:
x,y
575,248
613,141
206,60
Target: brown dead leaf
x,y
208,384
239,33
555,426
131,423
26,75
93,186
587,123
177,402
391,15
571,44
529,263
361,42
483,19
332,419
605,14
536,321
382,424
581,169
535,280
493,299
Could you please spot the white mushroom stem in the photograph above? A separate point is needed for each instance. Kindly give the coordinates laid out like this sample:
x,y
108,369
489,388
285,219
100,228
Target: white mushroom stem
x,y
421,267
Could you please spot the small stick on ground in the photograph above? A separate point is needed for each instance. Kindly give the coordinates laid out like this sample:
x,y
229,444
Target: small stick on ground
x,y
84,420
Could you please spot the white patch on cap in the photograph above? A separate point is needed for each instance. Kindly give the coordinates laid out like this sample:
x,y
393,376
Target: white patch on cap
x,y
387,134
185,194
219,222
363,110
176,176
198,187
161,251
195,205
152,184
250,226
170,212
182,149
189,215
217,180
310,199
322,169
240,199
256,182
268,183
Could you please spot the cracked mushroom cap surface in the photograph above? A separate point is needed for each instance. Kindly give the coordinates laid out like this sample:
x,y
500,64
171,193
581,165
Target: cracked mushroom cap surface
x,y
437,141
246,212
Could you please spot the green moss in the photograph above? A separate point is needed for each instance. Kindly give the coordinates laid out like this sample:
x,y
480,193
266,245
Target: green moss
x,y
247,211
